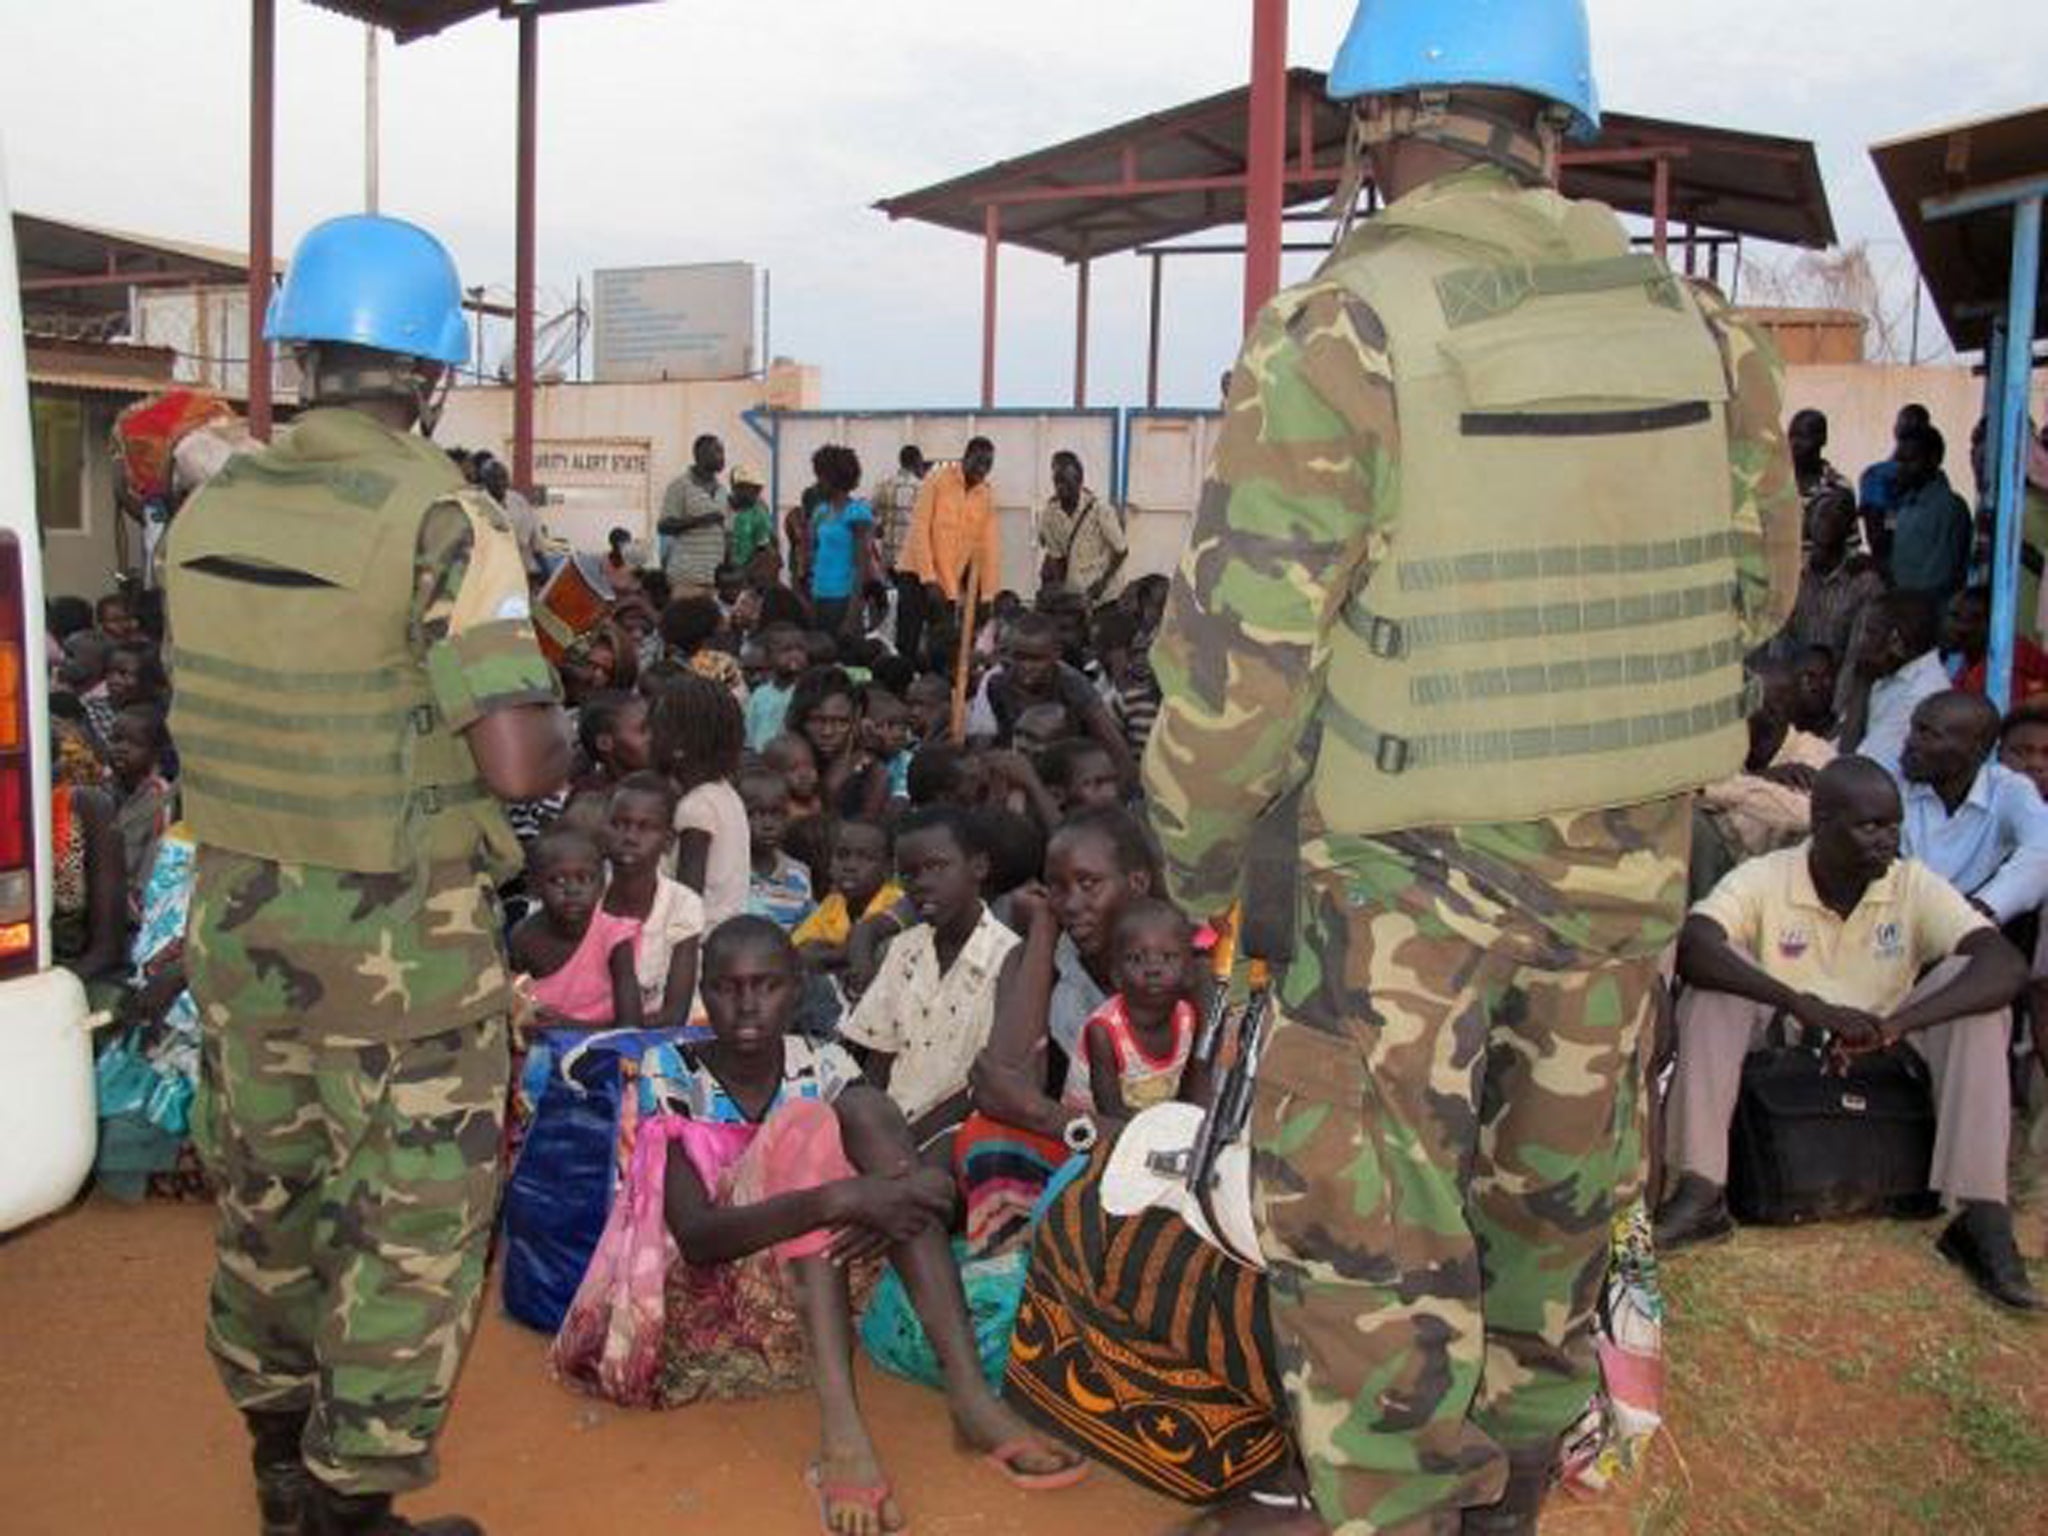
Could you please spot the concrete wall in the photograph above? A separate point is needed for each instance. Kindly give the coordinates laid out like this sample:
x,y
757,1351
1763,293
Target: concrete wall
x,y
1167,453
1160,458
668,417
1862,398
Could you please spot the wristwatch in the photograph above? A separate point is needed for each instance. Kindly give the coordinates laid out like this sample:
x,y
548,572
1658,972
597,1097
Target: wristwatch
x,y
1080,1134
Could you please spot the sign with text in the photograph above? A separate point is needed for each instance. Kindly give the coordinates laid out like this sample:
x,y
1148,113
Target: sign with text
x,y
693,322
594,484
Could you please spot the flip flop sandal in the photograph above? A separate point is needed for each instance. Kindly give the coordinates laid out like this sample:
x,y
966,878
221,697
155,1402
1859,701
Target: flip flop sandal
x,y
869,1496
1004,1457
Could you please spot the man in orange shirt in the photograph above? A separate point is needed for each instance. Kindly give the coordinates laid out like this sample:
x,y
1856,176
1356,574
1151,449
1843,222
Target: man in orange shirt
x,y
952,527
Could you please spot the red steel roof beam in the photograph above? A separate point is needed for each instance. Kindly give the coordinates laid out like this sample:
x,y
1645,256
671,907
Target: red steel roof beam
x,y
1266,170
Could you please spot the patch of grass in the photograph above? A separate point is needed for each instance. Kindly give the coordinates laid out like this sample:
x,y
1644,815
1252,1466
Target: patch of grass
x,y
1662,1513
1986,1424
1941,1507
1840,1379
1694,1303
1851,1369
1999,1434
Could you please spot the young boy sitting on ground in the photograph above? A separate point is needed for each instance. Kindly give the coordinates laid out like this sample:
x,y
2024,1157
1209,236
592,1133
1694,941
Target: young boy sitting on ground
x,y
1033,674
146,801
768,705
784,1178
885,728
1079,775
929,698
792,756
779,888
1133,687
931,1005
1042,727
861,887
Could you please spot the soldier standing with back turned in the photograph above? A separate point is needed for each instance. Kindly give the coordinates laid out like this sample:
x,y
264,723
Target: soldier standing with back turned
x,y
357,686
1498,511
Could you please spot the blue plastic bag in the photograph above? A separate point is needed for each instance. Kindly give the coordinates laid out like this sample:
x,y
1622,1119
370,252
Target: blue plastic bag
x,y
895,1339
561,1187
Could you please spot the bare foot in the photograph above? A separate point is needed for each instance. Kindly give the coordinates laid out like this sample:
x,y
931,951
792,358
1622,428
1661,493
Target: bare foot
x,y
850,1485
984,1424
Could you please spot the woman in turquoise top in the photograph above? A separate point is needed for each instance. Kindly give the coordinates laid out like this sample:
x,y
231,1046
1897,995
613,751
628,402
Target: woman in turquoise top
x,y
842,532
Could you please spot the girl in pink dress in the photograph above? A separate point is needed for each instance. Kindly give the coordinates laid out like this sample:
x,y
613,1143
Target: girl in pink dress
x,y
579,959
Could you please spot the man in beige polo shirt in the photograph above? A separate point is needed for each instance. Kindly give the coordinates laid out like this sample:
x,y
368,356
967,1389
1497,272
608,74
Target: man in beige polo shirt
x,y
1839,933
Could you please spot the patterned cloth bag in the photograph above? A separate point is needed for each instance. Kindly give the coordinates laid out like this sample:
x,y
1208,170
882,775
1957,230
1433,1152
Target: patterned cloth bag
x,y
610,1343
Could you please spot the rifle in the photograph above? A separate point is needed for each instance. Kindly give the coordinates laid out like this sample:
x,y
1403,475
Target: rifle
x,y
1222,966
1272,865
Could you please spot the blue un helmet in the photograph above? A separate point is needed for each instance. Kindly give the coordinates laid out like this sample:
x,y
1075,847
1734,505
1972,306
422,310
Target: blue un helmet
x,y
372,281
1541,47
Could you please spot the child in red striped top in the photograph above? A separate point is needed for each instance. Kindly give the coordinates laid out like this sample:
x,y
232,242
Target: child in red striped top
x,y
1133,1051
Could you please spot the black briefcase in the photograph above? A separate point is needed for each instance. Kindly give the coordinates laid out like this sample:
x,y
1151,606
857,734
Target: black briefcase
x,y
1809,1145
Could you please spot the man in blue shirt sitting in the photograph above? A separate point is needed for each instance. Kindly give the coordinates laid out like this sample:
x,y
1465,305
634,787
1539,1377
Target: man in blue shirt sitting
x,y
1970,819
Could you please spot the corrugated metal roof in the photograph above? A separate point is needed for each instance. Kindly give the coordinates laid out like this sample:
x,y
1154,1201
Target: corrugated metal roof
x,y
98,383
407,20
410,19
1967,261
48,246
1725,179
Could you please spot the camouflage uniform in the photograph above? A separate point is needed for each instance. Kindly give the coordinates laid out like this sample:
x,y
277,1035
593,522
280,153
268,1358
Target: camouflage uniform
x,y
354,1079
1449,1112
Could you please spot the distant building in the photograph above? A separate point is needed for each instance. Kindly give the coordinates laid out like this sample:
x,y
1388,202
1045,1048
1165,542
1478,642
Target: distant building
x,y
109,318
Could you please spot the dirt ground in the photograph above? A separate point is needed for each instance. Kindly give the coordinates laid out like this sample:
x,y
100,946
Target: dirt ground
x,y
112,1422
1837,1380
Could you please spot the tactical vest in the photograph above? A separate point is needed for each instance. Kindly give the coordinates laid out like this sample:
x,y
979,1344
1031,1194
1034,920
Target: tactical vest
x,y
305,725
1553,626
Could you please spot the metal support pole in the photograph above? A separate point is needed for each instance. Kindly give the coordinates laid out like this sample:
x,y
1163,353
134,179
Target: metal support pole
x,y
262,140
1660,210
1994,380
1266,157
992,237
372,119
1152,335
1919,289
1081,333
2011,464
523,253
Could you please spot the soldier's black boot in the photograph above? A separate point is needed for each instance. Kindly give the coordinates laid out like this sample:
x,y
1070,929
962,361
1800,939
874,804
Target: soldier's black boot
x,y
281,1476
1516,1512
329,1513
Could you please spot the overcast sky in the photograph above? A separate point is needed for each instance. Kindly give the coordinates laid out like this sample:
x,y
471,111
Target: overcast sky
x,y
761,130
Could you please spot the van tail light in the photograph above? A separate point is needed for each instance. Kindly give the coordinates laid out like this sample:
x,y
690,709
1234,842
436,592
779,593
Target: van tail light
x,y
17,773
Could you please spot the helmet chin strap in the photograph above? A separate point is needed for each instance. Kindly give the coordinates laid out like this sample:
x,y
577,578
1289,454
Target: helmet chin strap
x,y
430,398
1530,153
394,377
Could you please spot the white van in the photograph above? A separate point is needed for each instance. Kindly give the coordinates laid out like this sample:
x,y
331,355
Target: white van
x,y
47,1122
